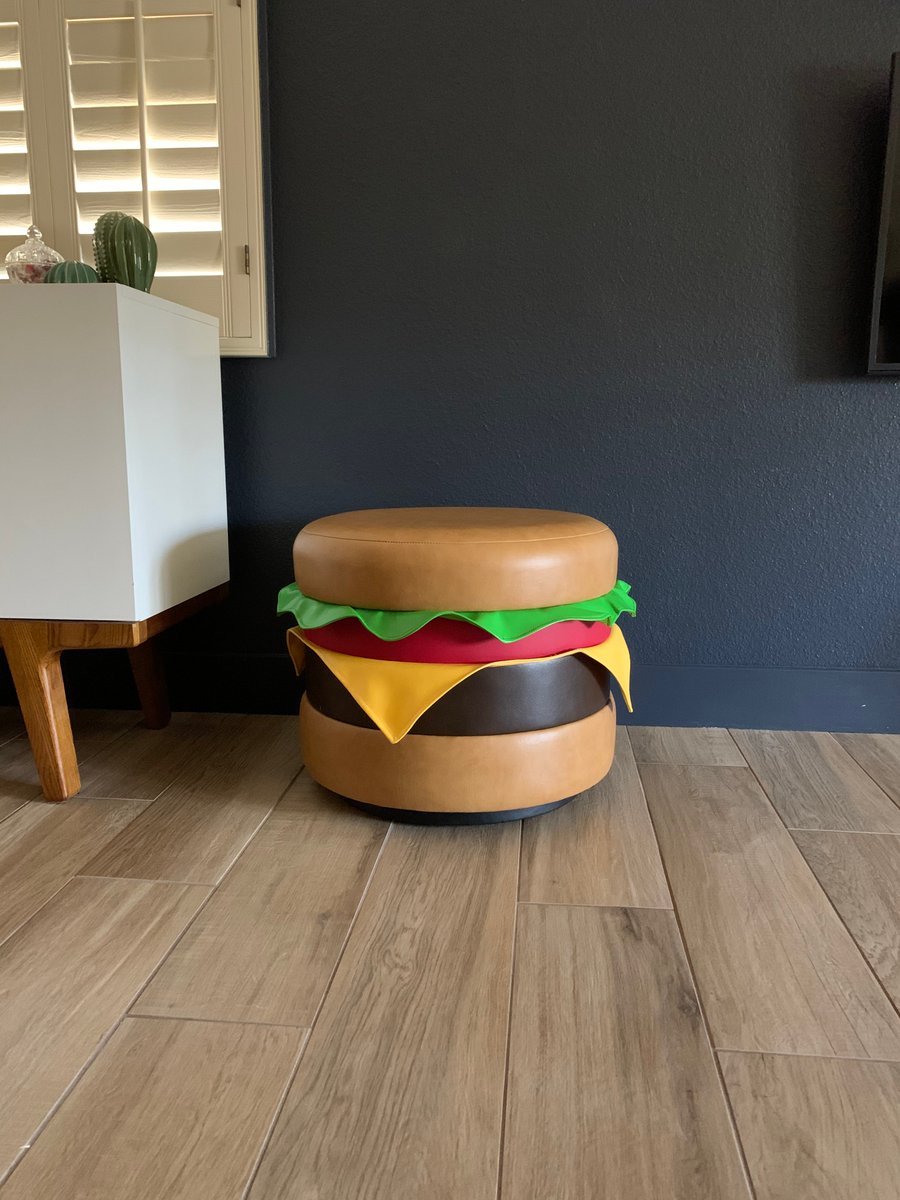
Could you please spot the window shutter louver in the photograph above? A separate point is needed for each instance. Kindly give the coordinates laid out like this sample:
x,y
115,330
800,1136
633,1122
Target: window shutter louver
x,y
15,181
142,82
149,130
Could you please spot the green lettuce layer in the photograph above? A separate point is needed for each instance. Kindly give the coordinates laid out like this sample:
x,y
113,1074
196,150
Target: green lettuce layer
x,y
507,625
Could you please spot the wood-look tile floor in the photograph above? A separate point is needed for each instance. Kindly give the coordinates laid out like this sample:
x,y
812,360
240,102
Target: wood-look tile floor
x,y
218,981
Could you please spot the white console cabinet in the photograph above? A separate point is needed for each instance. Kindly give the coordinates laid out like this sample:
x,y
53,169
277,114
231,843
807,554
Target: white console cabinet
x,y
113,522
112,473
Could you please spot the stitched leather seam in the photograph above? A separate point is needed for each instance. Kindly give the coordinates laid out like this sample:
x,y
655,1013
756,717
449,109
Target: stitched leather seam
x,y
337,537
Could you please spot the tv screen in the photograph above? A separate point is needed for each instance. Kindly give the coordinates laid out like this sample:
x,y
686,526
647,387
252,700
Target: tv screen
x,y
884,340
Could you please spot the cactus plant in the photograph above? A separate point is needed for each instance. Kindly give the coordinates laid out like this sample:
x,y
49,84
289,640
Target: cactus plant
x,y
124,251
71,272
133,252
103,235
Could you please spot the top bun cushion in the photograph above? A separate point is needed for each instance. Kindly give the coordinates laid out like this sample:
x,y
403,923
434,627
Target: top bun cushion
x,y
470,559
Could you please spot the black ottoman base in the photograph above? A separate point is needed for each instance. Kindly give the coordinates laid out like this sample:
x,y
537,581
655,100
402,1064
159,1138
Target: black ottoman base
x,y
409,816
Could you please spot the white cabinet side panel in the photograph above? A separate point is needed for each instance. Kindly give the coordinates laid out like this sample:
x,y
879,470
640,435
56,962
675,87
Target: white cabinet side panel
x,y
65,543
175,451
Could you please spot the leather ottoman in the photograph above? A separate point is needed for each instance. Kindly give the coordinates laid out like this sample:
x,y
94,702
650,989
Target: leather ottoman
x,y
457,660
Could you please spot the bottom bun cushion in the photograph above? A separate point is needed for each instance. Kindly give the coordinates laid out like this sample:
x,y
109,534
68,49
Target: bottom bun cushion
x,y
506,699
458,774
445,640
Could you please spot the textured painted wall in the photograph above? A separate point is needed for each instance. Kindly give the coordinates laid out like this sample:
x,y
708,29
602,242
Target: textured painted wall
x,y
607,256
612,257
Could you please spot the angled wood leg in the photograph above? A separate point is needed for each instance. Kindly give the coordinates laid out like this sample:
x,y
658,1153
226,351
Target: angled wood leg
x,y
37,675
149,677
33,649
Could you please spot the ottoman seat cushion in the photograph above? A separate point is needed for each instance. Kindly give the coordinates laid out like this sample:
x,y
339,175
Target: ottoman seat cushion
x,y
455,558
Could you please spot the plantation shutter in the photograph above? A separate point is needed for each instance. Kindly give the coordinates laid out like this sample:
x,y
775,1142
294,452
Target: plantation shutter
x,y
15,177
138,120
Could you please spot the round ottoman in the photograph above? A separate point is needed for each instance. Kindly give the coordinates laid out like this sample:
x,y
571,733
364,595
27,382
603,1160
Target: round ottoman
x,y
457,660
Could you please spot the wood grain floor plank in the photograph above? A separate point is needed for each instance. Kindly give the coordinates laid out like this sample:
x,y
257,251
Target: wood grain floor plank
x,y
43,845
265,946
143,765
815,784
613,1089
66,978
10,723
861,874
600,849
174,1109
685,747
194,831
776,968
93,731
13,797
399,1092
817,1129
879,756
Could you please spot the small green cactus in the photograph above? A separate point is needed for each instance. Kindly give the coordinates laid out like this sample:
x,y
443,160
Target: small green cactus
x,y
71,272
103,235
133,253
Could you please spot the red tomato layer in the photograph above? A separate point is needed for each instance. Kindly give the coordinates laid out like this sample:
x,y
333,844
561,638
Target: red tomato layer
x,y
444,640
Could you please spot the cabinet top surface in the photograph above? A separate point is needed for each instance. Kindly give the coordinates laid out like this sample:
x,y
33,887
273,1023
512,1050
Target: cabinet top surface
x,y
54,298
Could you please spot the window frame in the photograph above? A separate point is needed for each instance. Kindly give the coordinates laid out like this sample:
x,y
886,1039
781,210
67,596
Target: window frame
x,y
243,150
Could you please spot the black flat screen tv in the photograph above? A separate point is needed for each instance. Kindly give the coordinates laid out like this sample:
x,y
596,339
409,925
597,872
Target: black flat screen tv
x,y
884,337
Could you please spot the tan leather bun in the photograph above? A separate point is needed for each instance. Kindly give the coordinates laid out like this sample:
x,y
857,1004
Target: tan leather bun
x,y
424,773
469,559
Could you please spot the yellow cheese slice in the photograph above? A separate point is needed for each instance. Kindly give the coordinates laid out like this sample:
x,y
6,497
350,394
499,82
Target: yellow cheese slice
x,y
395,694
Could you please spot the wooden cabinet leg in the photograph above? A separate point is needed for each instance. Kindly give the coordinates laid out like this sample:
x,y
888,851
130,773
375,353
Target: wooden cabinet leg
x,y
147,668
35,668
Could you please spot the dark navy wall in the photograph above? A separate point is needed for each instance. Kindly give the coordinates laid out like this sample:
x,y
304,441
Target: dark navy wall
x,y
591,254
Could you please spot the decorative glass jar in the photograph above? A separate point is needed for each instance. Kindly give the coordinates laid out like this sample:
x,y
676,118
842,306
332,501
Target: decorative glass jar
x,y
31,261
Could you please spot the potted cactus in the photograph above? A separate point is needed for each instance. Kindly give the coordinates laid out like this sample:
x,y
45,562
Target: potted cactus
x,y
71,272
124,252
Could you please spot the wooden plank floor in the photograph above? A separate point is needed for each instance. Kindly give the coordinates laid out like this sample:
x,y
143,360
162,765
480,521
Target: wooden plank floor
x,y
599,851
93,731
776,966
219,981
605,1014
817,1128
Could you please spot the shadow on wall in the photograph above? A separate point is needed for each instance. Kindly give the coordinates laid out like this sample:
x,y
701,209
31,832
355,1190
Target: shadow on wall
x,y
836,155
232,656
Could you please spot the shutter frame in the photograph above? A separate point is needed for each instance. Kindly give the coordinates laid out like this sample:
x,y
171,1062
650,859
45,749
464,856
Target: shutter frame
x,y
183,193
